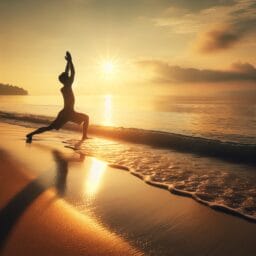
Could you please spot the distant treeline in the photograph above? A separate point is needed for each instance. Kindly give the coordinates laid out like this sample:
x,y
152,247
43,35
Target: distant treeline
x,y
7,89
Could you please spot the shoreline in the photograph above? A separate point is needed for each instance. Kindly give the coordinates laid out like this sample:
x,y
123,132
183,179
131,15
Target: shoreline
x,y
233,152
151,219
170,188
36,220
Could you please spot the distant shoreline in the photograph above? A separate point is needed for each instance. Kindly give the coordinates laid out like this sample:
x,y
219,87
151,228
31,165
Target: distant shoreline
x,y
7,89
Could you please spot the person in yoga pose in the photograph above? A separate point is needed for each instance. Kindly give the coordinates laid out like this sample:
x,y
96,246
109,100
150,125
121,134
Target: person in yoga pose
x,y
67,113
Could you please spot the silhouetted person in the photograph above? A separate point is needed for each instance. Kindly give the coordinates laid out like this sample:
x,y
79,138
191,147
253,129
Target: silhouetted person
x,y
67,113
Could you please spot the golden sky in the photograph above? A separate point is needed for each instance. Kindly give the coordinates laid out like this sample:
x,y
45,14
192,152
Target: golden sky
x,y
135,46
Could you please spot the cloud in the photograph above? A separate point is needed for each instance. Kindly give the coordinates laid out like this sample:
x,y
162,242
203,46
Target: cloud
x,y
165,73
216,28
225,36
239,23
218,39
244,68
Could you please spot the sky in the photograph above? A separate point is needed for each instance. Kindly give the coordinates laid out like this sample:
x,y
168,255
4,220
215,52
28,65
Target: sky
x,y
155,47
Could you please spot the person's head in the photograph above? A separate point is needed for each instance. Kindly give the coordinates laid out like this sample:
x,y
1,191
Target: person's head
x,y
64,78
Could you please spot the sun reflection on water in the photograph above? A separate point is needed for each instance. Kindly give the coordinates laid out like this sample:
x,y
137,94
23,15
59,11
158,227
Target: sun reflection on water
x,y
94,177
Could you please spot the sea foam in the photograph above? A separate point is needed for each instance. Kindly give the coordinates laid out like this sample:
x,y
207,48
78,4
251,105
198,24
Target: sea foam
x,y
177,163
231,151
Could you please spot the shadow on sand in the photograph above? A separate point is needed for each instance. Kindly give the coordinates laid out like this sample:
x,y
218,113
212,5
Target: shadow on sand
x,y
14,209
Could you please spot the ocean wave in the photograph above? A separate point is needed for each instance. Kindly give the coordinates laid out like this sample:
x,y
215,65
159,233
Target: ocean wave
x,y
222,186
231,151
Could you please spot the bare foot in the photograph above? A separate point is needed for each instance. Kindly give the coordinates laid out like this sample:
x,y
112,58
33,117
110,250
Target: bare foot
x,y
29,139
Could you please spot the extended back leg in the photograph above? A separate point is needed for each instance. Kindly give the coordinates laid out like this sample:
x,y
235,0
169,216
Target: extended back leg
x,y
37,131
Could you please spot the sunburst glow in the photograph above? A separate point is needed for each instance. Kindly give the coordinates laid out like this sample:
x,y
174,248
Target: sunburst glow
x,y
108,67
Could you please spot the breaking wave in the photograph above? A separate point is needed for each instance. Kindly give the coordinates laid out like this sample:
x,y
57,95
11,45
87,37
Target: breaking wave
x,y
231,151
222,185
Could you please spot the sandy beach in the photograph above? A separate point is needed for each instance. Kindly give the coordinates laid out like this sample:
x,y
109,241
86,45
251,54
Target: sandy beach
x,y
34,219
55,201
128,128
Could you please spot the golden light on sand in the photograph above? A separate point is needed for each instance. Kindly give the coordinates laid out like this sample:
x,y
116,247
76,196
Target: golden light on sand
x,y
108,67
107,110
94,177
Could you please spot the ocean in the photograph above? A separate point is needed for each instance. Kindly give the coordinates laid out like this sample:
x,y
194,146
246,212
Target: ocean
x,y
225,120
206,138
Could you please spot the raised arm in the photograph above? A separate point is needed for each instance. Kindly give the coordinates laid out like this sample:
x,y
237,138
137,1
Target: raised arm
x,y
72,70
67,67
70,66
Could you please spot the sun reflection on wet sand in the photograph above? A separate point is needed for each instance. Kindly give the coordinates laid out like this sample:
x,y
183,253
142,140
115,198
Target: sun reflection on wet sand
x,y
94,177
107,118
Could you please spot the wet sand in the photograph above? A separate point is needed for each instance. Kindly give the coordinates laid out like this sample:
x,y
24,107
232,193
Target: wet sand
x,y
69,204
34,218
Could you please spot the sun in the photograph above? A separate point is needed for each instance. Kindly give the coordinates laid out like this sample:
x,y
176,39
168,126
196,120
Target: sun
x,y
108,67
